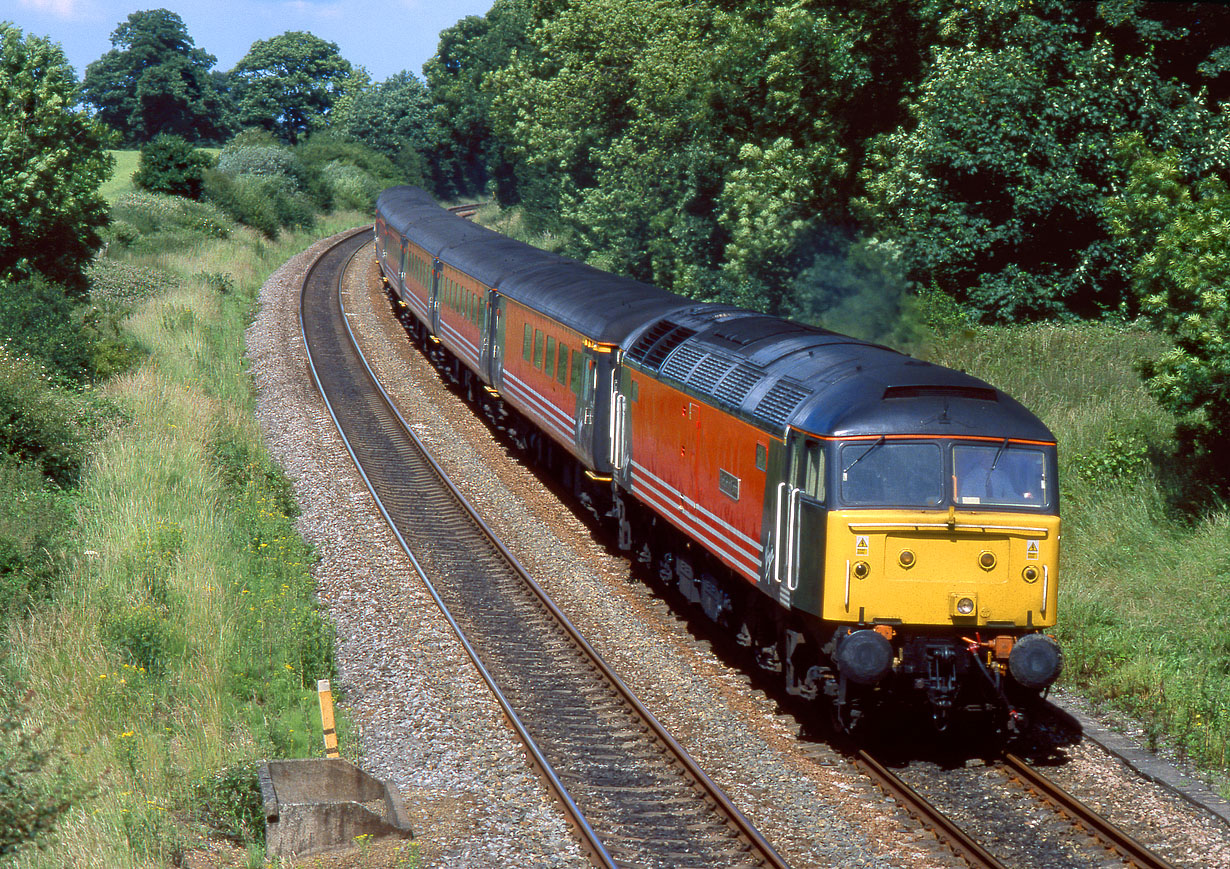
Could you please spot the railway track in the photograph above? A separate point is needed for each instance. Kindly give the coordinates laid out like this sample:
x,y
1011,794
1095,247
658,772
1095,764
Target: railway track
x,y
633,794
1084,823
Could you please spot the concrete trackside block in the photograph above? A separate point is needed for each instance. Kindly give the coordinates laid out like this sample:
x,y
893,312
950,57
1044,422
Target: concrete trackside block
x,y
318,805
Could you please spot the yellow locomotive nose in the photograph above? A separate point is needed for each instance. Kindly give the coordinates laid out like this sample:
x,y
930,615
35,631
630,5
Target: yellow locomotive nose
x,y
916,567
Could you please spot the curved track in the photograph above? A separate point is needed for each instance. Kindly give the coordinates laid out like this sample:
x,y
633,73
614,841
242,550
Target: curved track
x,y
635,796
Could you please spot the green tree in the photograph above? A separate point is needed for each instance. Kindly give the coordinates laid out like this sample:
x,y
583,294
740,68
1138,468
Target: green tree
x,y
696,145
155,80
1178,234
395,119
52,162
292,84
467,155
994,191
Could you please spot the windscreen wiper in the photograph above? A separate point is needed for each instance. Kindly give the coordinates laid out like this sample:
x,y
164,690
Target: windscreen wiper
x,y
994,462
862,456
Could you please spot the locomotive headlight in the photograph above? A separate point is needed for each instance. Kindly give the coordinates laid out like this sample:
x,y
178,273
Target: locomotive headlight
x,y
986,559
906,558
861,569
1030,574
965,606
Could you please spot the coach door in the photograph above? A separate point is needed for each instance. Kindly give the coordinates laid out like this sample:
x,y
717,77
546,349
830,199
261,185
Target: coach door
x,y
799,525
437,286
494,338
584,380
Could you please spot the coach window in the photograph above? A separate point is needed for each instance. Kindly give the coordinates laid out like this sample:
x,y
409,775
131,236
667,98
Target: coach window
x,y
578,363
548,364
561,365
538,342
526,342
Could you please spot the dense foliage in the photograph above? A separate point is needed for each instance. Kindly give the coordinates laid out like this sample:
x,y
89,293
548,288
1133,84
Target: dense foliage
x,y
155,80
723,149
52,162
394,118
1179,233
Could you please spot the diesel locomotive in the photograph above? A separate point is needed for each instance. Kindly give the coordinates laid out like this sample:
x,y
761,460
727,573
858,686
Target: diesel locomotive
x,y
877,529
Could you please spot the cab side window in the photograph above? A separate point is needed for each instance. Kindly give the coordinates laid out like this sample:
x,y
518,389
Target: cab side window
x,y
807,467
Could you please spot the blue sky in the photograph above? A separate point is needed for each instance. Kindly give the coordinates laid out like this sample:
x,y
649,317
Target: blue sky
x,y
385,36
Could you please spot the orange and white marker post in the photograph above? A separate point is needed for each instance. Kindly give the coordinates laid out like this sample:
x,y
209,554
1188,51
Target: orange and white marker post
x,y
326,718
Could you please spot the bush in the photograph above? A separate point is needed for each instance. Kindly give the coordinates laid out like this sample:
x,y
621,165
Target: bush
x,y
30,525
350,186
38,423
261,160
266,203
170,165
35,790
322,150
146,636
38,320
275,162
230,802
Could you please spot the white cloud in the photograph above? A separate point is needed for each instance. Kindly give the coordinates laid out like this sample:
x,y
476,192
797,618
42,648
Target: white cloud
x,y
66,9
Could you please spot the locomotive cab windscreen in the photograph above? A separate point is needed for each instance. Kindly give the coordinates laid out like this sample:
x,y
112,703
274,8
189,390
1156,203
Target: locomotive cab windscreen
x,y
931,473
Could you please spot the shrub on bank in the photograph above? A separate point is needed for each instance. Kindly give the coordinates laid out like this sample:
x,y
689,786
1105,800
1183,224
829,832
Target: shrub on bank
x,y
170,164
38,423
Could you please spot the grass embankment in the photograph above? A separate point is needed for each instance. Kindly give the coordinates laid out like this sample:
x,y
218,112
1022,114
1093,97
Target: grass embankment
x,y
121,176
185,641
1143,600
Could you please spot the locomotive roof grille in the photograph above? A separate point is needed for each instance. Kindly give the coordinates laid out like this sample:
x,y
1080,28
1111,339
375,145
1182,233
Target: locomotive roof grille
x,y
652,348
781,401
738,382
979,393
711,369
682,362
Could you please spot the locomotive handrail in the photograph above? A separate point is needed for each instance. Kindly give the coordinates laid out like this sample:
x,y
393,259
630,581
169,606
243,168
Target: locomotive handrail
x,y
777,535
792,571
960,526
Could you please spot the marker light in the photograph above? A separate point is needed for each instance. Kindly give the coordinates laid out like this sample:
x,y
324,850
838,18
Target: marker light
x,y
861,569
906,558
986,559
965,606
1030,574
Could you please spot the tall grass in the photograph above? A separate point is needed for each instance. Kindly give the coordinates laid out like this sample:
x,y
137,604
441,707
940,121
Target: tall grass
x,y
1144,575
185,640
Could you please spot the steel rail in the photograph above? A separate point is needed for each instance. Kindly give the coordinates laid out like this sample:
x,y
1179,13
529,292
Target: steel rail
x,y
1110,835
921,808
745,830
